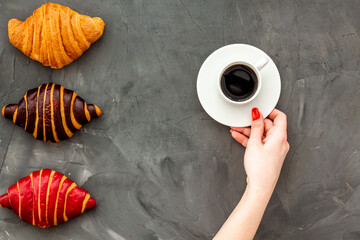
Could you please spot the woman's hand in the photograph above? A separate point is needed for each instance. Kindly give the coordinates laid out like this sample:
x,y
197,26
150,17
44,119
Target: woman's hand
x,y
266,147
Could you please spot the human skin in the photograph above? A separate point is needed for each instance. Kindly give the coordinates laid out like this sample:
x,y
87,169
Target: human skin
x,y
266,148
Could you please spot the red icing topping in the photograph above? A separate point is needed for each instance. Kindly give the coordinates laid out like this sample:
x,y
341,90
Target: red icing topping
x,y
39,195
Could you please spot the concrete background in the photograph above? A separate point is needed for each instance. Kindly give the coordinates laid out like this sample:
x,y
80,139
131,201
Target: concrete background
x,y
159,167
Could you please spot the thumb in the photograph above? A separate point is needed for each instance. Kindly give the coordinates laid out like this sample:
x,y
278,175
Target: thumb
x,y
257,126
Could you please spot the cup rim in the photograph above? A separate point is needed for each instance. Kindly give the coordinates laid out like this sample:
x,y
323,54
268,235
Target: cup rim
x,y
258,75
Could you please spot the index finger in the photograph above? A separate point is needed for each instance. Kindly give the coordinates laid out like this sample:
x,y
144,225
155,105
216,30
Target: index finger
x,y
279,118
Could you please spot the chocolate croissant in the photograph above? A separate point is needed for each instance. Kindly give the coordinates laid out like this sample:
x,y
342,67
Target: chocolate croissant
x,y
51,112
46,198
55,35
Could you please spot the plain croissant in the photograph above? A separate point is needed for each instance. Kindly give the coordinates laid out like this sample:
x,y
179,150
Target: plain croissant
x,y
55,35
46,198
51,112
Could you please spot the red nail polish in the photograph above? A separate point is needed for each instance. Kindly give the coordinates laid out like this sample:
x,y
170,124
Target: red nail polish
x,y
255,114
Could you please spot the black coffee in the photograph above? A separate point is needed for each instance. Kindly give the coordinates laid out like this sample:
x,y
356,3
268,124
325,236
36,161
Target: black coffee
x,y
239,83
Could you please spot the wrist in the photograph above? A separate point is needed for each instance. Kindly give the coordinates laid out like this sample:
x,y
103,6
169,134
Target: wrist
x,y
264,184
264,191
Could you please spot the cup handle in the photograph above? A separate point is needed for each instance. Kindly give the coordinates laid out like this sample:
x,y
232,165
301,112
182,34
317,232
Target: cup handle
x,y
262,63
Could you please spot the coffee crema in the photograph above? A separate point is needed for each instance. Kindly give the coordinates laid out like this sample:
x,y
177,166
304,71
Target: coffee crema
x,y
239,82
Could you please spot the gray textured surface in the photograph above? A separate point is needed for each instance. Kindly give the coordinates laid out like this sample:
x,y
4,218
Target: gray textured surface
x,y
159,167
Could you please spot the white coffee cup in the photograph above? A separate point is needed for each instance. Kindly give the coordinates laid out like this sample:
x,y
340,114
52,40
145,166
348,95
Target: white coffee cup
x,y
256,68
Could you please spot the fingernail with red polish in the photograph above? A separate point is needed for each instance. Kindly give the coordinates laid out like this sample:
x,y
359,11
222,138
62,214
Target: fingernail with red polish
x,y
255,114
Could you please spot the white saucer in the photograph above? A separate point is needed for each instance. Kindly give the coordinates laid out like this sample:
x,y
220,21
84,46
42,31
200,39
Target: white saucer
x,y
223,111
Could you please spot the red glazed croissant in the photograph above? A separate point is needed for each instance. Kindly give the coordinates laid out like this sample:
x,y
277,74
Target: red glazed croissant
x,y
55,35
51,112
46,198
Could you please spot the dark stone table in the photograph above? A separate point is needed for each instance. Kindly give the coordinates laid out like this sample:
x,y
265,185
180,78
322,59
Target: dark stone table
x,y
158,165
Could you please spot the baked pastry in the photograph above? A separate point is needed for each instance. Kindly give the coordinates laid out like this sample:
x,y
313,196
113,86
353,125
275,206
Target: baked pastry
x,y
55,35
46,198
51,112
